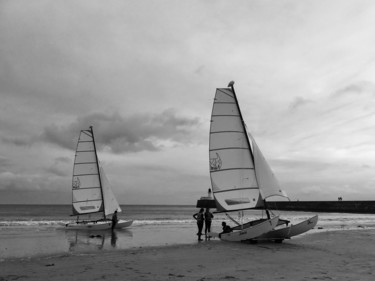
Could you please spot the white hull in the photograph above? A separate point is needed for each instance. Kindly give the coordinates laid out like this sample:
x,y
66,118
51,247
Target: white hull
x,y
289,231
99,225
250,232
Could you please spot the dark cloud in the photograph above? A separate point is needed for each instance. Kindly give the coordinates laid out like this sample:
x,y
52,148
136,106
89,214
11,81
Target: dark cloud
x,y
355,89
57,171
199,70
63,160
132,134
58,168
16,181
16,141
30,189
34,197
4,163
298,102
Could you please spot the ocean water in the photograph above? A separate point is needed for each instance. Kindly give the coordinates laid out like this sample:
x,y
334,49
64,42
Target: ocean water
x,y
55,215
34,230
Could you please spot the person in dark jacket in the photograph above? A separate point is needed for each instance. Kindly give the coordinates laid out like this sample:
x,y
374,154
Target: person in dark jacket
x,y
200,221
208,216
114,220
226,228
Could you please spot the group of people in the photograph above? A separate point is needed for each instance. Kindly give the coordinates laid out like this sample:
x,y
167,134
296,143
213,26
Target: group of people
x,y
203,218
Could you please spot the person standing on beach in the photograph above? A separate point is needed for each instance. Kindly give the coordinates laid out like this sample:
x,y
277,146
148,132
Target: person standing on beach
x,y
208,216
200,221
114,220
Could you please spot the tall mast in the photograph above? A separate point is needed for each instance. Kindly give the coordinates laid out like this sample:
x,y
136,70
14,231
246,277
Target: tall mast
x,y
97,165
231,84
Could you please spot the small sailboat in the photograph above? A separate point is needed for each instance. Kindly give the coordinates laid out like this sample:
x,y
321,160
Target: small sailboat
x,y
92,195
241,178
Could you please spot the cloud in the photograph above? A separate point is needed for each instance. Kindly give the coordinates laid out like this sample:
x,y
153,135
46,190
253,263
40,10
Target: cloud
x,y
139,132
306,85
37,182
17,141
57,171
58,168
4,163
298,102
355,89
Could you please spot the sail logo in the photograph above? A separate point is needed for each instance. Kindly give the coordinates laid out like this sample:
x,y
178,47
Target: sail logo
x,y
237,201
76,183
85,208
215,163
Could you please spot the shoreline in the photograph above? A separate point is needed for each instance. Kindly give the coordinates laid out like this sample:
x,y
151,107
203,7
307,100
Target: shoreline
x,y
341,254
31,242
42,240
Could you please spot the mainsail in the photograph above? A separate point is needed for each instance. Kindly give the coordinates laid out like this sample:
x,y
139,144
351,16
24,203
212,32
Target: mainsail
x,y
91,189
240,176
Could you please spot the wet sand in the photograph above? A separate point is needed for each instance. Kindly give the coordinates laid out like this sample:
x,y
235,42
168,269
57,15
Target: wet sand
x,y
326,255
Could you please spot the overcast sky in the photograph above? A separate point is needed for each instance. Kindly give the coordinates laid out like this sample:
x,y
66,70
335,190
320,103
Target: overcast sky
x,y
144,74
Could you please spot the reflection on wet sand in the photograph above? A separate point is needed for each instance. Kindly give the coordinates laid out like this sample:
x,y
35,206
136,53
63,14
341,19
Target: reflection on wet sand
x,y
113,239
94,240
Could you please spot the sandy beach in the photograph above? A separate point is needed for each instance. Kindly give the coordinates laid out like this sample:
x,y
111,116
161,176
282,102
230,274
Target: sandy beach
x,y
326,255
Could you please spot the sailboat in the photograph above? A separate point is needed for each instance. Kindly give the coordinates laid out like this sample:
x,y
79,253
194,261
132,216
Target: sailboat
x,y
92,195
241,178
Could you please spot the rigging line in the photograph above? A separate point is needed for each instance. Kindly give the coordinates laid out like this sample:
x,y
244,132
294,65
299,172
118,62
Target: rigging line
x,y
87,133
224,92
236,210
244,128
97,165
232,219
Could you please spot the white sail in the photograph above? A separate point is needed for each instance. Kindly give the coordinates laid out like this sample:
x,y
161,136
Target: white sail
x,y
87,194
268,184
110,202
240,176
233,178
91,191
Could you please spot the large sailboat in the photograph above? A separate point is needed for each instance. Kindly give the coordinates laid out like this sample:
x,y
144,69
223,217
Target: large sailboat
x,y
241,178
92,196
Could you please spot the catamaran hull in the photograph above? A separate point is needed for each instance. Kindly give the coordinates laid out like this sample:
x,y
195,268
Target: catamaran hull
x,y
289,231
100,225
249,232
